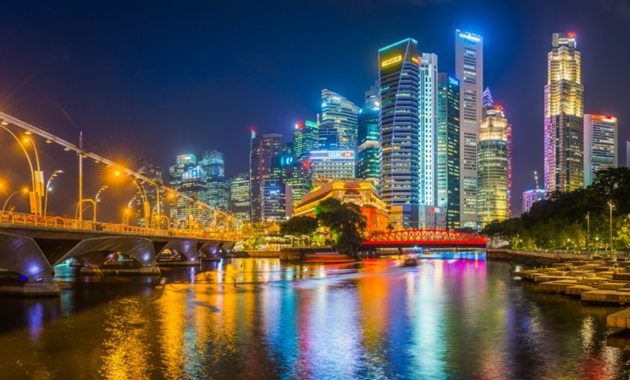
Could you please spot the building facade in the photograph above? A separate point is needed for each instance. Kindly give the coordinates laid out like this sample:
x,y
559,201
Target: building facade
x,y
305,139
240,204
217,189
530,197
494,167
428,126
564,112
362,193
263,149
600,145
448,157
335,164
189,178
338,115
367,150
469,70
399,124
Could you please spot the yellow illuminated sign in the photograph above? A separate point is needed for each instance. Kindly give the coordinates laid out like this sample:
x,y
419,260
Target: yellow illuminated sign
x,y
391,61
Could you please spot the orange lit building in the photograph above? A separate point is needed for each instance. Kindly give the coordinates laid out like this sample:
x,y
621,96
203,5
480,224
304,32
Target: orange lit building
x,y
359,192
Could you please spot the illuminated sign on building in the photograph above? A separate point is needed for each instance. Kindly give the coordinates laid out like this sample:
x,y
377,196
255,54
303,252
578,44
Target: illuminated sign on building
x,y
391,61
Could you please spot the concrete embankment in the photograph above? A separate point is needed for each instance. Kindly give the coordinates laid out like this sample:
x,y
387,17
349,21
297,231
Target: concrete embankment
x,y
532,258
594,281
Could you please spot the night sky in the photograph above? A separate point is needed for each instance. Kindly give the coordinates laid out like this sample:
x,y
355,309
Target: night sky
x,y
157,79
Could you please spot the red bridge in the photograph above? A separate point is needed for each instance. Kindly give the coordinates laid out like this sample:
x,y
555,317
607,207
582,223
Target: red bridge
x,y
424,239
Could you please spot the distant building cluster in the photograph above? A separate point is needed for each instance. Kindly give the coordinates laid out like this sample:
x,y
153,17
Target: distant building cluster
x,y
426,149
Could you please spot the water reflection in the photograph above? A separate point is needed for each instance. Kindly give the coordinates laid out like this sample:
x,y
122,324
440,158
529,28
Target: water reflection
x,y
246,318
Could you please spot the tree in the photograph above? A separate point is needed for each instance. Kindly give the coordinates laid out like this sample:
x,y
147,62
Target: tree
x,y
299,225
345,222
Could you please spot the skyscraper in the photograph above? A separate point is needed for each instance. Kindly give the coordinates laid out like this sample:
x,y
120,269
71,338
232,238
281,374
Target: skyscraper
x,y
305,139
469,70
263,149
600,145
628,152
399,80
332,164
564,108
217,188
447,168
240,204
494,167
367,157
189,178
428,121
339,114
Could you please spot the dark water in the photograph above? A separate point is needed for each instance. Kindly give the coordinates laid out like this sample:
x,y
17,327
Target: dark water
x,y
460,319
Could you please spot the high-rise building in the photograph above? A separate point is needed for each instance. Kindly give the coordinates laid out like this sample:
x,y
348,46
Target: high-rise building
x,y
399,124
494,167
332,164
447,168
217,189
274,200
469,70
305,139
600,145
189,178
155,200
240,205
628,152
263,149
367,155
564,108
530,197
428,121
487,98
339,114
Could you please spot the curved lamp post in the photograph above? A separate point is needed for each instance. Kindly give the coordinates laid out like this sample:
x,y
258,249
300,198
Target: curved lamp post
x,y
4,206
48,183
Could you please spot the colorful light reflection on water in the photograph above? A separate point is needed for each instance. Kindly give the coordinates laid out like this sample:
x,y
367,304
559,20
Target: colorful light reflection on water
x,y
258,319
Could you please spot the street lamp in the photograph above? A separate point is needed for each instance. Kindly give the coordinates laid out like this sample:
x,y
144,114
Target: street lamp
x,y
28,158
48,183
611,207
23,190
39,179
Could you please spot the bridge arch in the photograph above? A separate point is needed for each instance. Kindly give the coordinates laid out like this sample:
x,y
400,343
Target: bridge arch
x,y
140,249
22,255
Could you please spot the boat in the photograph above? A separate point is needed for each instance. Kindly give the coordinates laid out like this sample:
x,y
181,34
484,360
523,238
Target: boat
x,y
410,261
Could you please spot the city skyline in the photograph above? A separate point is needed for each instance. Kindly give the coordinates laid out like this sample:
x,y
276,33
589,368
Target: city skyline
x,y
51,86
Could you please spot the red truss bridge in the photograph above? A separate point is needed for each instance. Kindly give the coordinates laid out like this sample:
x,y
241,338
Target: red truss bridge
x,y
424,239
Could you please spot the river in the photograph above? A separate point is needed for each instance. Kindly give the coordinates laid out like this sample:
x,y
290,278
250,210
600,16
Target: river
x,y
262,319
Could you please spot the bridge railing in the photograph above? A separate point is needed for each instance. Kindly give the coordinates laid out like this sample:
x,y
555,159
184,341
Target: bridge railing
x,y
75,224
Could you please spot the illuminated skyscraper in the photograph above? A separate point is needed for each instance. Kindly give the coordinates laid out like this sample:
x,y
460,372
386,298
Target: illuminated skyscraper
x,y
428,121
469,70
305,139
448,187
240,204
399,124
340,115
217,189
628,152
494,167
368,167
263,149
564,124
189,178
600,145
